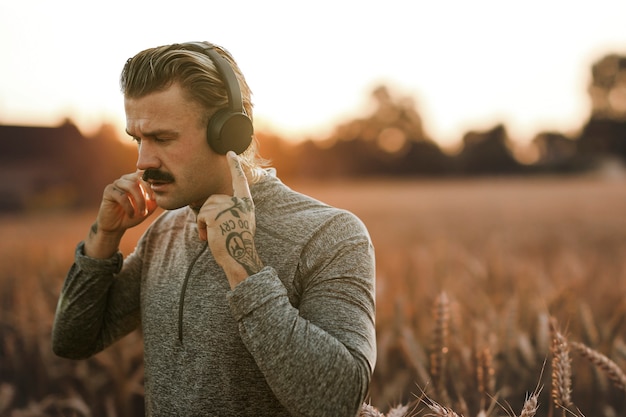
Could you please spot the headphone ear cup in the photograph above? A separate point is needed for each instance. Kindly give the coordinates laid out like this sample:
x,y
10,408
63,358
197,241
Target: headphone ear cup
x,y
229,131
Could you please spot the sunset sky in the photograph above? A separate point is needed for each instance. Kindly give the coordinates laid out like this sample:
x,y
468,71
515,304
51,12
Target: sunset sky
x,y
467,64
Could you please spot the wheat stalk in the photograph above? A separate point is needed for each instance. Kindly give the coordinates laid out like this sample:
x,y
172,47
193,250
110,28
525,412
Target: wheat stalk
x,y
531,405
610,368
439,410
485,372
368,410
561,370
440,342
398,411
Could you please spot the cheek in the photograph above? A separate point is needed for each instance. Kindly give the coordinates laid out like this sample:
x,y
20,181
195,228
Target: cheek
x,y
196,166
195,169
184,162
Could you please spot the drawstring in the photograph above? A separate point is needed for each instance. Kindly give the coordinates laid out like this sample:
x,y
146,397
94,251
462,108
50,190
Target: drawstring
x,y
183,290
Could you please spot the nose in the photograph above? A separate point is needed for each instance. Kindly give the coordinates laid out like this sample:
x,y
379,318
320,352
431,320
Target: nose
x,y
147,156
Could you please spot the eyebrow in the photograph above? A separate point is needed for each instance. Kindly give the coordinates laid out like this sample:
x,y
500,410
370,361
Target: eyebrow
x,y
156,133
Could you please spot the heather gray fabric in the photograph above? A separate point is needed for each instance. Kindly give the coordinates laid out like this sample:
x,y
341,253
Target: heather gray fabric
x,y
296,339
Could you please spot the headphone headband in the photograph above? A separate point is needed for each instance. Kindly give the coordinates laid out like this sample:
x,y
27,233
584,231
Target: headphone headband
x,y
235,100
228,129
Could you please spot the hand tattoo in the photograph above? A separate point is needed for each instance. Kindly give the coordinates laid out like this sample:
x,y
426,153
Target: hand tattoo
x,y
244,205
241,247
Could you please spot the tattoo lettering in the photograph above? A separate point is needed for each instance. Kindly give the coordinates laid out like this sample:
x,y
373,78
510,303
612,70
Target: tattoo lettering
x,y
231,225
240,172
243,205
241,247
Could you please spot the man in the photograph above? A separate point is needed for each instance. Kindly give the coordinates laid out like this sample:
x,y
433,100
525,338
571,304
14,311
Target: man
x,y
253,299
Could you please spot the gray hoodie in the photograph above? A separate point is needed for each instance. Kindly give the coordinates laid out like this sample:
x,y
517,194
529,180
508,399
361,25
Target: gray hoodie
x,y
295,339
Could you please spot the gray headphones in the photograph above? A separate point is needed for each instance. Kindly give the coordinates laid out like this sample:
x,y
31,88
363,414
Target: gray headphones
x,y
229,129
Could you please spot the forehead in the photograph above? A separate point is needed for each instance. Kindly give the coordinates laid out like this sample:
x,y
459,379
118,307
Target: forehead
x,y
170,107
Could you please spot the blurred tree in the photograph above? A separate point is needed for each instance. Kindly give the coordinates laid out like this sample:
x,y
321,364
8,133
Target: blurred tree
x,y
389,141
603,138
604,135
557,152
487,152
608,88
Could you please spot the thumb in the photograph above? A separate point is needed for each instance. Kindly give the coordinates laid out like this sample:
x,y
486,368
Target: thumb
x,y
202,232
240,182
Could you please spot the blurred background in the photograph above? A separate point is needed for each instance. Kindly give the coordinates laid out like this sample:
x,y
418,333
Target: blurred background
x,y
361,88
483,143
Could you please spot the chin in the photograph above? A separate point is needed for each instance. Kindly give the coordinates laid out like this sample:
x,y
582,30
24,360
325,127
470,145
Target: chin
x,y
167,204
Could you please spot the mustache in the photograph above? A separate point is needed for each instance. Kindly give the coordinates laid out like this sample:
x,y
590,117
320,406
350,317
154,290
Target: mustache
x,y
156,175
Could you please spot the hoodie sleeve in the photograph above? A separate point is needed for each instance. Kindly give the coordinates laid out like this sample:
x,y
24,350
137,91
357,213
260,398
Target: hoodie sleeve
x,y
317,357
98,305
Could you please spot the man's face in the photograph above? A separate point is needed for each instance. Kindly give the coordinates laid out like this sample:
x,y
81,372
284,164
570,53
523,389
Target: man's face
x,y
177,161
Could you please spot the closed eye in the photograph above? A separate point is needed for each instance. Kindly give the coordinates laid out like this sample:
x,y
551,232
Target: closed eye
x,y
160,136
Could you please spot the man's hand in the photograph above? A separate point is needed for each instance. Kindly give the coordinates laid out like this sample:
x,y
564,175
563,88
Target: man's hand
x,y
228,224
125,203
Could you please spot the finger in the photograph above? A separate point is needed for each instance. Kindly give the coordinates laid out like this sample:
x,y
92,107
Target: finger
x,y
147,193
149,199
117,195
130,188
240,182
135,195
202,232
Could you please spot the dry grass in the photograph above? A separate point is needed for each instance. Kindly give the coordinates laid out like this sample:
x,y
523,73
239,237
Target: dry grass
x,y
509,255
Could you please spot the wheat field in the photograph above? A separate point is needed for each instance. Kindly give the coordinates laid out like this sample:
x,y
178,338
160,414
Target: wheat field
x,y
495,297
